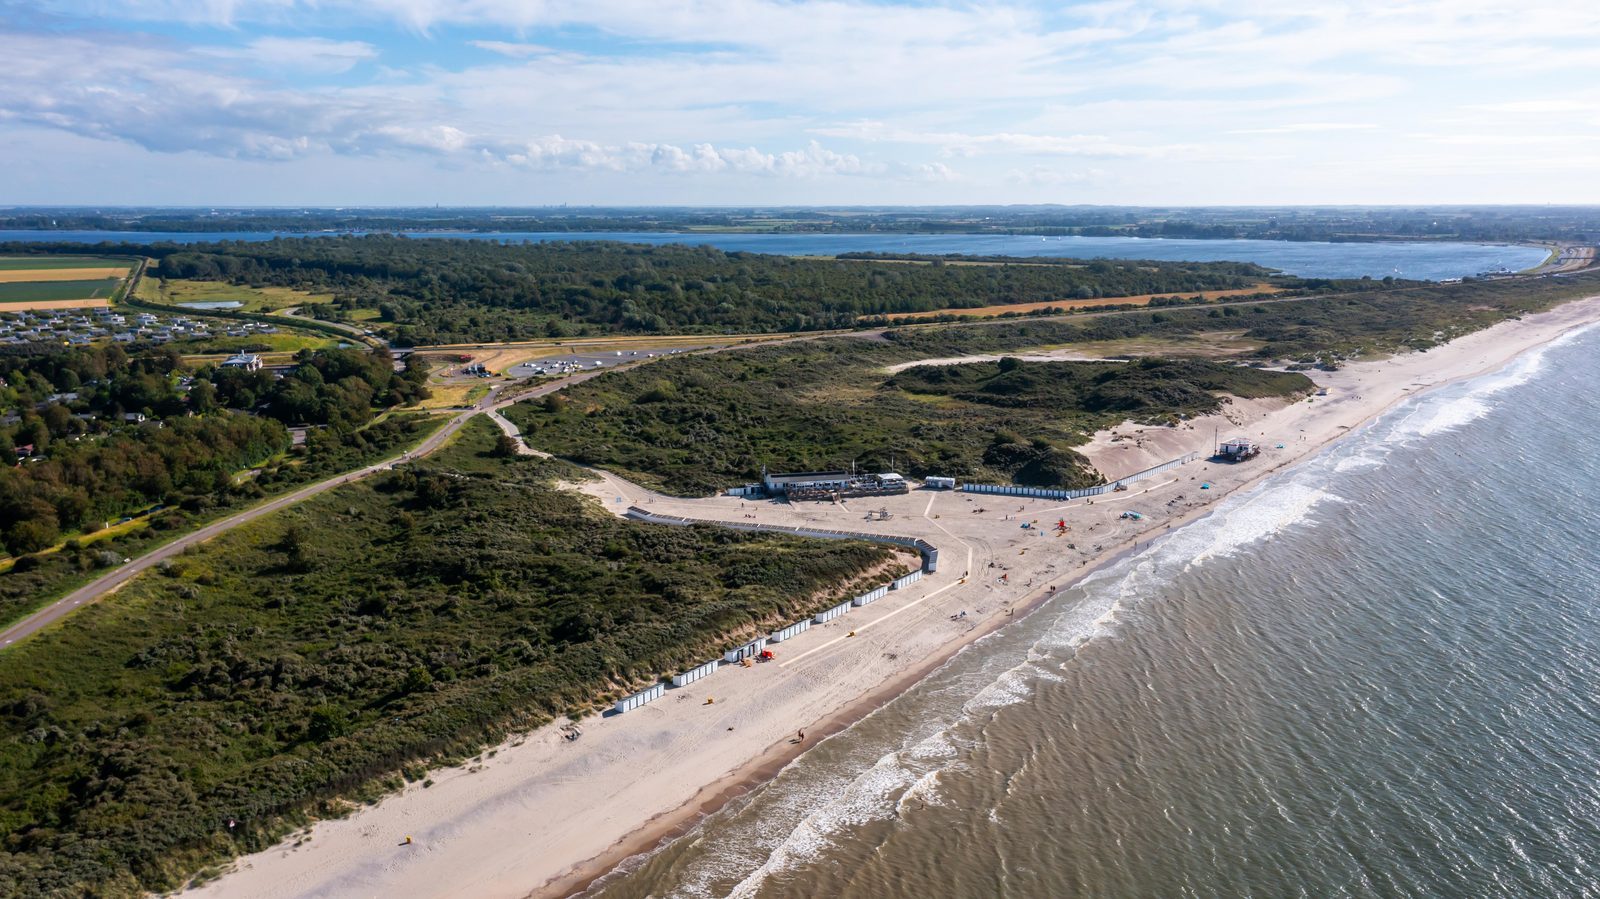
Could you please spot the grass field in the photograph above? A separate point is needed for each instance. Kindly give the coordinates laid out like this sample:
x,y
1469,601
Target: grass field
x,y
284,344
43,263
30,291
452,395
253,299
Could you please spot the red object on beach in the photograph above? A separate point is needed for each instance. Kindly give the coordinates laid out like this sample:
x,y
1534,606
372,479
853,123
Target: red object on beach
x,y
767,655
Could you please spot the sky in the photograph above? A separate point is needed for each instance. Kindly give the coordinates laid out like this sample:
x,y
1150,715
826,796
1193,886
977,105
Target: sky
x,y
777,102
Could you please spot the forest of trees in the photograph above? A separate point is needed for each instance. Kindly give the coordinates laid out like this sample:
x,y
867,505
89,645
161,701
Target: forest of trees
x,y
450,291
441,291
83,463
340,388
79,486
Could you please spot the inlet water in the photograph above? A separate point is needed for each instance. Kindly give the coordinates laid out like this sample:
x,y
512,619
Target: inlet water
x,y
1427,261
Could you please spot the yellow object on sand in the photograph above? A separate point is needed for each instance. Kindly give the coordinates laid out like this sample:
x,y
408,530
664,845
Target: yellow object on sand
x,y
710,701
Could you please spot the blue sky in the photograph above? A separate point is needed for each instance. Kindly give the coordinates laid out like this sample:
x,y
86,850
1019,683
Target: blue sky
x,y
752,102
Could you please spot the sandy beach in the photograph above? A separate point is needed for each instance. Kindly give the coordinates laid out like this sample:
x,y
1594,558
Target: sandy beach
x,y
540,815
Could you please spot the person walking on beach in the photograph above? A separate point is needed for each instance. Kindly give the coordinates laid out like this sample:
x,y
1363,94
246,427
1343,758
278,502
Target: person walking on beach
x,y
802,737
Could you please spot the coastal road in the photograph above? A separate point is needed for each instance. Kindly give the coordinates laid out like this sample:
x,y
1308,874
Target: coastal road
x,y
108,583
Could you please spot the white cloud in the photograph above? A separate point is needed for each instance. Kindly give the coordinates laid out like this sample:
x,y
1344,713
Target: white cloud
x,y
1308,128
956,143
556,152
899,90
513,49
312,55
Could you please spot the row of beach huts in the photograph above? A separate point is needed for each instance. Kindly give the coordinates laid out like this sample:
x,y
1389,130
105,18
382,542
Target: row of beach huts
x,y
754,649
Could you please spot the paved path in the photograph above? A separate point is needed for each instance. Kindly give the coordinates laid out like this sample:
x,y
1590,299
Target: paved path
x,y
510,430
108,583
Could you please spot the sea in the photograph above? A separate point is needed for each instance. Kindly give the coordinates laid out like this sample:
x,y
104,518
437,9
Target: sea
x,y
1376,674
1426,261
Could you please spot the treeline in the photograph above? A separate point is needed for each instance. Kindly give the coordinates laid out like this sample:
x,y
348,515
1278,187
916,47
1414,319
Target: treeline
x,y
451,291
447,291
94,434
80,486
35,580
366,632
341,388
106,381
698,424
1337,223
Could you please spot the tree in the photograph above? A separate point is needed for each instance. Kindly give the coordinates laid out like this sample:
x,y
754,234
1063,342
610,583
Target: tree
x,y
203,396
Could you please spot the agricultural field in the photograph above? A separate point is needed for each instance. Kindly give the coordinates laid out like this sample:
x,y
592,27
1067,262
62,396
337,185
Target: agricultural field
x,y
50,263
44,291
54,282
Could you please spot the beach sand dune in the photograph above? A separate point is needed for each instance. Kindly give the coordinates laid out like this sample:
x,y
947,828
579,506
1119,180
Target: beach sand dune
x,y
543,815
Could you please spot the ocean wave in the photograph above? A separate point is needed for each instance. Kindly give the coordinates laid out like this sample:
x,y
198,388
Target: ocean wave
x,y
1265,513
1438,413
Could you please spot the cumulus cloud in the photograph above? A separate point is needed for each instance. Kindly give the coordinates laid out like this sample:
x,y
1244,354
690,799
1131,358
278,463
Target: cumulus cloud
x,y
144,94
560,153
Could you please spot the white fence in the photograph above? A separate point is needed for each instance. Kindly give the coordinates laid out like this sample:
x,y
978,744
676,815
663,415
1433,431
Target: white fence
x,y
908,580
748,651
799,627
1049,493
694,674
629,703
830,614
929,552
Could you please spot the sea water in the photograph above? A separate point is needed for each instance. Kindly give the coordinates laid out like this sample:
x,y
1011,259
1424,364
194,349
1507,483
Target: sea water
x,y
1420,260
1376,674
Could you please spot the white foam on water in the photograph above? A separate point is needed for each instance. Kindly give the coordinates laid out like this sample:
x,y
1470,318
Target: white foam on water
x,y
875,795
1262,514
1446,412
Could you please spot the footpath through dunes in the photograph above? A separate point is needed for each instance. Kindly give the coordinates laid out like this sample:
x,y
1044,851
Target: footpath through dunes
x,y
549,815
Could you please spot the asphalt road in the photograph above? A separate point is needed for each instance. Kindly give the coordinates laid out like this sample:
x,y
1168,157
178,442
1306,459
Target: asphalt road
x,y
108,583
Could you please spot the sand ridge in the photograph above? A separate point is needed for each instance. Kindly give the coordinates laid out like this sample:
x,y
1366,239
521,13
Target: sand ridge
x,y
545,816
